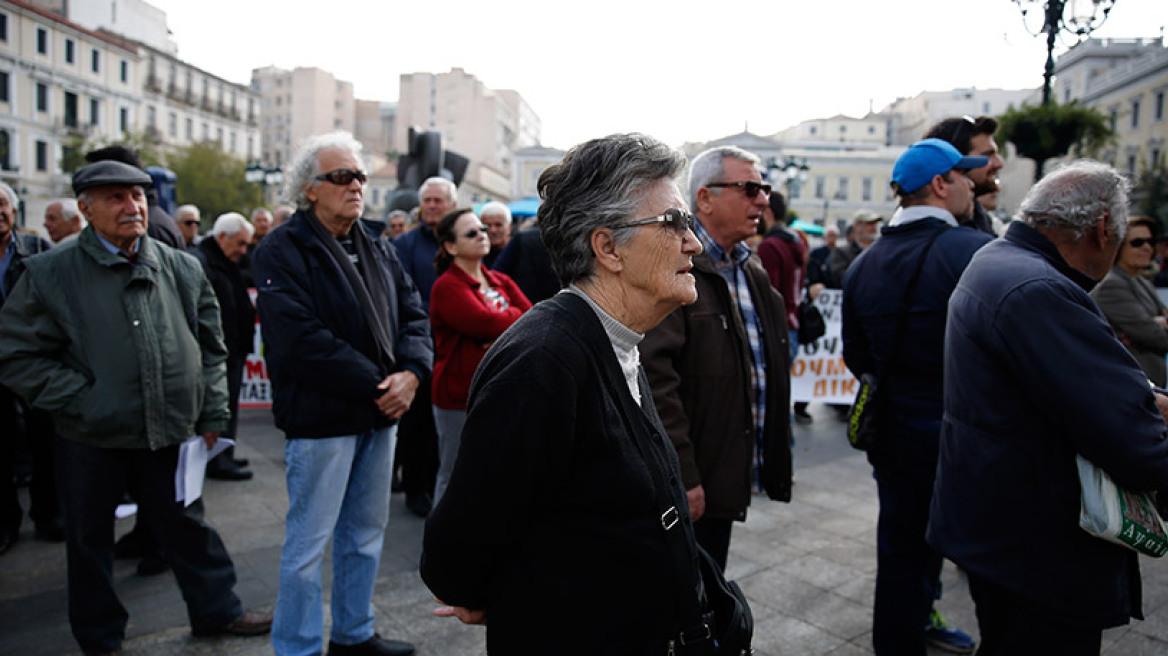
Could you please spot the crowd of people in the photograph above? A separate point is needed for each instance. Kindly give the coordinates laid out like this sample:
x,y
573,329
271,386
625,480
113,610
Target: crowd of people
x,y
584,407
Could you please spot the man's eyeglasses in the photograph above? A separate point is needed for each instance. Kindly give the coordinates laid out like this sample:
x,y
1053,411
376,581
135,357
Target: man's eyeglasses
x,y
342,177
749,187
1141,242
676,219
191,222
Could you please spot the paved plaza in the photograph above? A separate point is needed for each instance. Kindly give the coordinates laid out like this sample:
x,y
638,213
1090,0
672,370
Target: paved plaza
x,y
808,568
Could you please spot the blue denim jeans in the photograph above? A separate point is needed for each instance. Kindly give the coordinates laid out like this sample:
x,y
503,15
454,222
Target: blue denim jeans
x,y
338,487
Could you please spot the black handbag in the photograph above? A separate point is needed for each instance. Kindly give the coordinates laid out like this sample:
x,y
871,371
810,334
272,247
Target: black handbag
x,y
728,615
864,415
811,323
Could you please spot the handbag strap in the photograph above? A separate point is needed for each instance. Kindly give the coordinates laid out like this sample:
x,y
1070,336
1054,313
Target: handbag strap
x,y
902,313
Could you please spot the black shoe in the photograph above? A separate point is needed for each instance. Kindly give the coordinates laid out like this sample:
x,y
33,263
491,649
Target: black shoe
x,y
241,462
132,544
50,530
419,504
803,418
222,468
152,564
375,646
8,537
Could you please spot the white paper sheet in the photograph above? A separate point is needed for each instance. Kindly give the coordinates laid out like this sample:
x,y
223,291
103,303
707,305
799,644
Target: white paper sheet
x,y
192,467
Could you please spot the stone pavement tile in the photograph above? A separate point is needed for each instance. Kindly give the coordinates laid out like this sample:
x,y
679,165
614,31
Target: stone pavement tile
x,y
852,553
780,635
819,571
778,591
764,550
31,567
1133,643
180,642
824,496
838,616
861,589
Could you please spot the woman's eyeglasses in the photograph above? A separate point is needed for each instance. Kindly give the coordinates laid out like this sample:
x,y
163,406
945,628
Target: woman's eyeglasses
x,y
1141,242
342,177
749,187
676,219
473,233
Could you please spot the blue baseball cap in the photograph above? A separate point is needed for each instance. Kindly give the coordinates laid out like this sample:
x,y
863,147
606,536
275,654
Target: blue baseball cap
x,y
927,159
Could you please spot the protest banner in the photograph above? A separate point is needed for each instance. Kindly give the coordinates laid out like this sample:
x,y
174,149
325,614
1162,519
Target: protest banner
x,y
818,372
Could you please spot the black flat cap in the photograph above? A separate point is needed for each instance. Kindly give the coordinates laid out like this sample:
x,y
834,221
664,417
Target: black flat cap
x,y
109,172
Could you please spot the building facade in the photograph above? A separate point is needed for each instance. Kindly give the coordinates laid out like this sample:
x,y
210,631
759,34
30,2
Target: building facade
x,y
297,104
1127,80
59,83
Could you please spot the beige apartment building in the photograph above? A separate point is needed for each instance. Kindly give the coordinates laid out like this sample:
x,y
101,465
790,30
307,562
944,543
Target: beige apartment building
x,y
58,81
485,125
1126,79
297,104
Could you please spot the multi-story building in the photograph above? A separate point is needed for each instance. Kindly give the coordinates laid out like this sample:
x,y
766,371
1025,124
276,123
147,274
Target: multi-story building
x,y
373,126
297,104
484,125
1127,80
527,165
59,82
183,105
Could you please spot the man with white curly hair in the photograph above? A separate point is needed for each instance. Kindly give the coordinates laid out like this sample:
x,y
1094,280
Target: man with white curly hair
x,y
347,344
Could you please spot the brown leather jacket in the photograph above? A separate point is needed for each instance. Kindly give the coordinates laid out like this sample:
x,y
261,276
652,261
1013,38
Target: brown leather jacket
x,y
698,364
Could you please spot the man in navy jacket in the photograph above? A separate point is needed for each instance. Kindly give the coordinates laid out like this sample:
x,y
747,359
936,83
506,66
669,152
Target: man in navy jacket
x,y
348,344
1033,377
935,195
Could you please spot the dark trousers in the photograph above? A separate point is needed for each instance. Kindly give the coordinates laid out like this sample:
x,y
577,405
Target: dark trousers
x,y
417,445
907,568
92,482
234,383
714,536
19,421
1011,625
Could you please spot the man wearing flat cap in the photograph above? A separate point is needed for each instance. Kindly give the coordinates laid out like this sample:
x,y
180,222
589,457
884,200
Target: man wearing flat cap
x,y
895,297
120,340
864,230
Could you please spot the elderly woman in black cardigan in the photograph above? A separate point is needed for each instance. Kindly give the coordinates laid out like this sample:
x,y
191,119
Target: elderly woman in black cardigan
x,y
561,525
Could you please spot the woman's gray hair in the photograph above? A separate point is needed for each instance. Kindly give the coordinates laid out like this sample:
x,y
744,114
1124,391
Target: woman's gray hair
x,y
13,199
301,174
231,223
1075,196
707,167
598,184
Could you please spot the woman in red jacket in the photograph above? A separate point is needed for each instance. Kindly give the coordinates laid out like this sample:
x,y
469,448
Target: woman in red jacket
x,y
470,306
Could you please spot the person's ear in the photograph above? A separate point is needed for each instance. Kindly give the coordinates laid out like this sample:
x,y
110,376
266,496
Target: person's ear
x,y
604,248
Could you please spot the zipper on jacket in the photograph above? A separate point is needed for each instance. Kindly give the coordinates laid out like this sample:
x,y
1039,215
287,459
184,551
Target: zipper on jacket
x,y
725,324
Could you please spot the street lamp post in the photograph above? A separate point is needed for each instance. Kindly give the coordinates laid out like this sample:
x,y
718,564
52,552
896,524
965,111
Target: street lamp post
x,y
255,173
1085,17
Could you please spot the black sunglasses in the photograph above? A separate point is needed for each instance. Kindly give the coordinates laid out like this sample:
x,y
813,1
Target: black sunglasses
x,y
191,222
676,219
1141,242
473,233
750,187
342,177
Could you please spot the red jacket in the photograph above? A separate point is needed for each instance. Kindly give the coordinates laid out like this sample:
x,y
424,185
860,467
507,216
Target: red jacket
x,y
464,327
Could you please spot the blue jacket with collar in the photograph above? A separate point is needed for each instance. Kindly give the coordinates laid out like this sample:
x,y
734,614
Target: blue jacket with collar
x,y
321,356
1033,376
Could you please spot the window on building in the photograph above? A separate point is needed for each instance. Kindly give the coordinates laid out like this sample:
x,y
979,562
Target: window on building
x,y
843,129
94,111
42,41
172,124
1158,107
124,119
813,130
1067,95
841,189
231,142
5,142
866,189
124,74
42,156
70,109
985,108
1155,158
871,129
42,97
4,37
3,86
190,130
95,60
1131,164
820,186
70,54
151,117
250,147
1113,119
1135,110
206,132
219,135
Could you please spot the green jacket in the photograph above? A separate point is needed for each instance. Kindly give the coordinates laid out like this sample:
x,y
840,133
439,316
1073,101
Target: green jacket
x,y
124,356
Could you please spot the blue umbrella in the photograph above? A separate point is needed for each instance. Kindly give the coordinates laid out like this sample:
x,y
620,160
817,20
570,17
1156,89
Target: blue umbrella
x,y
809,228
525,207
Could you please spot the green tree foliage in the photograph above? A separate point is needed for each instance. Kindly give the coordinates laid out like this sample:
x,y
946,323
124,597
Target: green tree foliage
x,y
74,148
1047,131
212,180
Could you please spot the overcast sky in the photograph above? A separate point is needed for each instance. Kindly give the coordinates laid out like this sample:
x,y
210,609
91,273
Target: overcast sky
x,y
678,70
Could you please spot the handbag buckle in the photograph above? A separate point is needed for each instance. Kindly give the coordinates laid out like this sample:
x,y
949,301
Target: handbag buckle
x,y
670,518
697,634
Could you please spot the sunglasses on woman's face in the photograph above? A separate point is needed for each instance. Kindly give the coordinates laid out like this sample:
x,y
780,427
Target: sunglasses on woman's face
x,y
474,233
1141,242
676,219
342,177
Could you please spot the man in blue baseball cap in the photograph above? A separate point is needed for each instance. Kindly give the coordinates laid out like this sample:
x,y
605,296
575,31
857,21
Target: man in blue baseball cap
x,y
895,298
